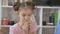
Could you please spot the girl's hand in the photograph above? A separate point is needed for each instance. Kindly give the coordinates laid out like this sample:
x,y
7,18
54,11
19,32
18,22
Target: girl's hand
x,y
26,26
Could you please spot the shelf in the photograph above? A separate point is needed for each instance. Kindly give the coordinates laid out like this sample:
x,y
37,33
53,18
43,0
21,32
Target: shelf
x,y
38,26
5,25
35,6
9,26
47,7
48,26
7,6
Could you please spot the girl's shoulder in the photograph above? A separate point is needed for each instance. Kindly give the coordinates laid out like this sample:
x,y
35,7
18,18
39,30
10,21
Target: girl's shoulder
x,y
14,26
34,27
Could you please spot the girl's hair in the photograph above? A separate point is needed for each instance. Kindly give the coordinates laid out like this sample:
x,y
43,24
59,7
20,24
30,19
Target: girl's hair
x,y
18,4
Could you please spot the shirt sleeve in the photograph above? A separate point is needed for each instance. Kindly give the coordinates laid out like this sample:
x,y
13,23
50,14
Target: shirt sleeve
x,y
11,30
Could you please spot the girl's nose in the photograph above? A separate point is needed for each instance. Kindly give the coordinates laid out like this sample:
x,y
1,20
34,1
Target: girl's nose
x,y
27,18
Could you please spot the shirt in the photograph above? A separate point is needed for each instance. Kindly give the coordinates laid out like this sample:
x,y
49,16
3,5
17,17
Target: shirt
x,y
15,29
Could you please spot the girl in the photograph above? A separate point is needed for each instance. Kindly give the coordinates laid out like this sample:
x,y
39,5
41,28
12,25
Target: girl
x,y
25,25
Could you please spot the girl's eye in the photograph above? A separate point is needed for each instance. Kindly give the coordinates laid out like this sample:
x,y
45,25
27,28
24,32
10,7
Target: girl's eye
x,y
29,15
23,15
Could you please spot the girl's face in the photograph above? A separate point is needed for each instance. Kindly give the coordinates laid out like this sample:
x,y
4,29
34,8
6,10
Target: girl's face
x,y
25,13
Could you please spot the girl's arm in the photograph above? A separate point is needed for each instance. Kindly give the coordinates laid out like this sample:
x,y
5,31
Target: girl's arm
x,y
11,31
34,32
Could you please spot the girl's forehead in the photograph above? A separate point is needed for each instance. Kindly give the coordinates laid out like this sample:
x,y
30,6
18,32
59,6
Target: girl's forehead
x,y
26,8
26,11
